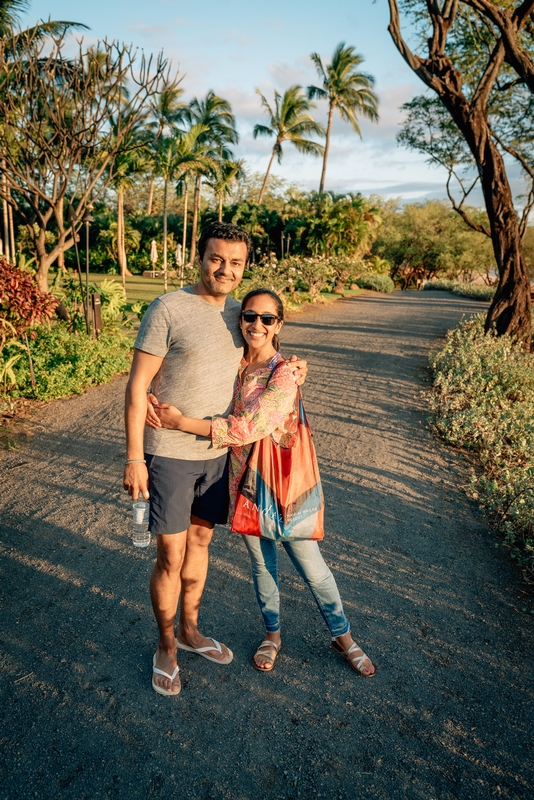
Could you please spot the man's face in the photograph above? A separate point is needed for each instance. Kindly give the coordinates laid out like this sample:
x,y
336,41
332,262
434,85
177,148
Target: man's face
x,y
221,269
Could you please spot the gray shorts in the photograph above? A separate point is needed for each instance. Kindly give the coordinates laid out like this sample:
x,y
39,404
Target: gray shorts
x,y
180,488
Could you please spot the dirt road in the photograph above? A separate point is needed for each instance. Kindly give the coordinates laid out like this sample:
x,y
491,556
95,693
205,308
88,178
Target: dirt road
x,y
447,717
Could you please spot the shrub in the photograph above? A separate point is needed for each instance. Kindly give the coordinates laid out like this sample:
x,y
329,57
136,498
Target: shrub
x,y
376,282
483,401
68,363
22,303
475,291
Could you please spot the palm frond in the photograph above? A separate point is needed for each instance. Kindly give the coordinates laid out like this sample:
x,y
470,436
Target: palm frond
x,y
262,130
307,146
316,93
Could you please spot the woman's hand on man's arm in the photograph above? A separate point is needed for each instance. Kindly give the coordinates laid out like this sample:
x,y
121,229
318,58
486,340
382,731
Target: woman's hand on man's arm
x,y
300,369
172,418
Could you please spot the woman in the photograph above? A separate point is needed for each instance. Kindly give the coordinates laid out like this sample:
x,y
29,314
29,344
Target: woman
x,y
264,405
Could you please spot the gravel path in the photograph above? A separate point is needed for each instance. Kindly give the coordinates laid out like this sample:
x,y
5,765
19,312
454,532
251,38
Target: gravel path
x,y
449,714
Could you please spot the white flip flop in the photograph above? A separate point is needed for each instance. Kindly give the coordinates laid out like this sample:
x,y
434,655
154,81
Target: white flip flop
x,y
203,651
160,689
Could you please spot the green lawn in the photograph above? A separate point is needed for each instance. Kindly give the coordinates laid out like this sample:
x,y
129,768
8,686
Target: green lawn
x,y
147,289
137,287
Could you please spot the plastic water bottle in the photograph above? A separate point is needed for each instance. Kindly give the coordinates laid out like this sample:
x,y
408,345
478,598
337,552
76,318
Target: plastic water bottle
x,y
140,532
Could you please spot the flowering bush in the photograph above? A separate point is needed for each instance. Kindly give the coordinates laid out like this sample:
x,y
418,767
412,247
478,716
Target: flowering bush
x,y
483,401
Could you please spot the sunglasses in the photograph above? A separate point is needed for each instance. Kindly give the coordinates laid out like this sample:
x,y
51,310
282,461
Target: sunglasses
x,y
266,319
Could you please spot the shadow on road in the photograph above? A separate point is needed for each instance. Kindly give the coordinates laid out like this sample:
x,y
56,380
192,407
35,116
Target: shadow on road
x,y
433,602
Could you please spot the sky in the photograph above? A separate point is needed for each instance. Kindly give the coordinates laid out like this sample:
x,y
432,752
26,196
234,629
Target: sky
x,y
236,46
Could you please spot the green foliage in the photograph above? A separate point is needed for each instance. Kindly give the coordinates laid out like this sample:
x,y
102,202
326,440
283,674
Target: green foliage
x,y
433,238
68,363
113,300
7,376
66,288
483,401
475,291
108,239
332,225
378,283
139,308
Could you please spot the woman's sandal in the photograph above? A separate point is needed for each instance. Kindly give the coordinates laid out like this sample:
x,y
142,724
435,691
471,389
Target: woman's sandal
x,y
354,660
274,649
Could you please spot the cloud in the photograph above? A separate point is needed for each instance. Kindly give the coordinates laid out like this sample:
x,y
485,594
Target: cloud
x,y
285,75
239,38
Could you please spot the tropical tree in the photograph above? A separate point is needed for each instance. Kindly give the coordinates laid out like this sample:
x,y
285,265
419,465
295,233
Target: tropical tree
x,y
226,174
13,45
329,225
216,115
289,120
176,156
345,88
55,137
128,163
10,15
464,62
169,113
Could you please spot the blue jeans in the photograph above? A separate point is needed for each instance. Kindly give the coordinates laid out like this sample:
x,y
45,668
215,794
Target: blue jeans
x,y
311,567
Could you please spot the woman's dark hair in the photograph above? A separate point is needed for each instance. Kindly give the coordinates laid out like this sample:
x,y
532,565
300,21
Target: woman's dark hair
x,y
279,309
224,231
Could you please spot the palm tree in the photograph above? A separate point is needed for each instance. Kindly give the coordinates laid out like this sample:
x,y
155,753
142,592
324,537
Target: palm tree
x,y
168,113
227,173
130,162
345,88
11,12
215,113
291,121
176,156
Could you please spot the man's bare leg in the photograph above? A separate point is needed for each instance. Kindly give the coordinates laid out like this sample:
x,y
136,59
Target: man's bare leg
x,y
193,578
164,593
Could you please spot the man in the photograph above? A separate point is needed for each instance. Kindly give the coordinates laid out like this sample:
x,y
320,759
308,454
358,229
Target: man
x,y
188,350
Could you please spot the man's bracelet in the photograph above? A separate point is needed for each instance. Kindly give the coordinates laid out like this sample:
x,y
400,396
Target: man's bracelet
x,y
136,461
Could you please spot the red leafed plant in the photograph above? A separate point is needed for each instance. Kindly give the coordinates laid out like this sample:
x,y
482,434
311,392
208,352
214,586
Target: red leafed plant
x,y
22,303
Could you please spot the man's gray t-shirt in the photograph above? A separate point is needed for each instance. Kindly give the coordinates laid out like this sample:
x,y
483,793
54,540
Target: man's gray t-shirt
x,y
201,346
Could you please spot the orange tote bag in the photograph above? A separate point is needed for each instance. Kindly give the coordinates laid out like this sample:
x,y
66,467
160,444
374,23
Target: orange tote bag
x,y
280,495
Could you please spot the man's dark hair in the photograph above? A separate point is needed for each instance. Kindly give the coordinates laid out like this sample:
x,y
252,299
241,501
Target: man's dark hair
x,y
224,231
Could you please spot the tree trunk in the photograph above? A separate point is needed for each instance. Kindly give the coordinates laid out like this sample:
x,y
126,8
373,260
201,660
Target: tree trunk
x,y
220,207
264,186
184,232
11,233
196,210
150,198
121,249
44,260
510,310
165,237
5,237
5,215
326,146
60,224
122,266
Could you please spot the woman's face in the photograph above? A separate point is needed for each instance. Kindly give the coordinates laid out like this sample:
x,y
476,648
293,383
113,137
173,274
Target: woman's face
x,y
256,334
